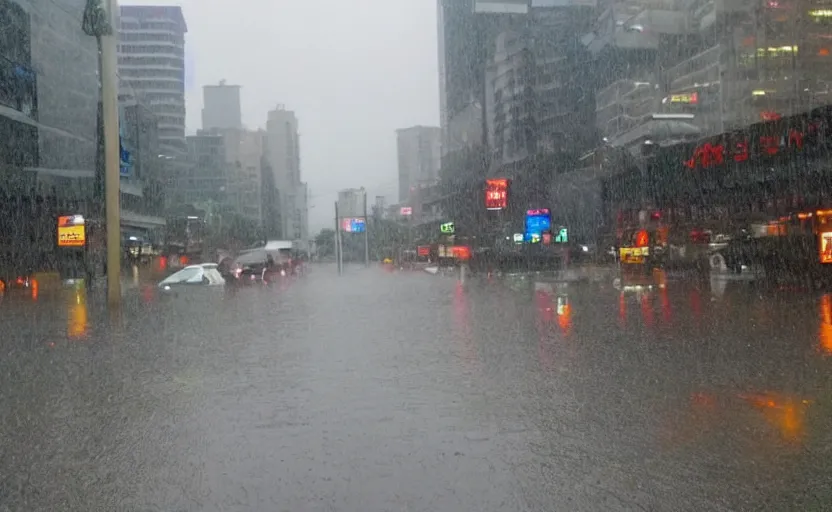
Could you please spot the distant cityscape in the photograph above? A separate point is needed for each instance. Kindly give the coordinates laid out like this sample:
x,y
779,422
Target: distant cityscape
x,y
226,173
561,96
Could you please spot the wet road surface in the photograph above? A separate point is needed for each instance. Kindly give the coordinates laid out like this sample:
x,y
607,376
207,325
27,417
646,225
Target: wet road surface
x,y
403,391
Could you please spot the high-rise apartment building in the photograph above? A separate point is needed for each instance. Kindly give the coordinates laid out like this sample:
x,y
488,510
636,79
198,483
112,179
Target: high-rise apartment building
x,y
47,127
221,107
283,154
538,83
48,117
464,49
419,154
206,178
151,67
680,69
243,152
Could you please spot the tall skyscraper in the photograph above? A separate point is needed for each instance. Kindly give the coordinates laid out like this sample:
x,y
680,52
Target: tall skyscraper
x,y
283,155
465,45
221,107
151,66
419,151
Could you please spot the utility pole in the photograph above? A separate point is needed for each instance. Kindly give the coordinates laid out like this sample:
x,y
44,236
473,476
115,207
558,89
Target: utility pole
x,y
338,260
366,233
99,22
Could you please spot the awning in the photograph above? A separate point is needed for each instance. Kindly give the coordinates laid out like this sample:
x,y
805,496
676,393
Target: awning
x,y
137,220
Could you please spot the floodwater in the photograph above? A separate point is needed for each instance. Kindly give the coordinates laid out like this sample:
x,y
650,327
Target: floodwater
x,y
390,391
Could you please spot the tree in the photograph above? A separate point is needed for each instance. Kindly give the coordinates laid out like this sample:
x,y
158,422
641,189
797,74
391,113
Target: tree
x,y
325,243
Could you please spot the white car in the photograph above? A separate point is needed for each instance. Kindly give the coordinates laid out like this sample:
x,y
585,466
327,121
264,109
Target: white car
x,y
204,274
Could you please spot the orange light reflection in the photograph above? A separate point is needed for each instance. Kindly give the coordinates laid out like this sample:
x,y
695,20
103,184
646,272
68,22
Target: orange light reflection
x,y
825,327
786,414
78,318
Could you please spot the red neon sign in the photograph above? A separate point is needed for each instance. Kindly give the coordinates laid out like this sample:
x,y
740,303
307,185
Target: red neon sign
x,y
743,147
461,252
496,194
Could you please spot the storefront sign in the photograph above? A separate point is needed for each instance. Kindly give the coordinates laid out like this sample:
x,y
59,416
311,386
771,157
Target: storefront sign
x,y
496,194
537,221
71,231
688,99
825,246
633,255
763,140
447,228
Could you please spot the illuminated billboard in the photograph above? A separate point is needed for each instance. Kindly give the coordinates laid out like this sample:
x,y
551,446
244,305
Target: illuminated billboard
x,y
71,231
825,247
537,221
353,225
496,194
447,228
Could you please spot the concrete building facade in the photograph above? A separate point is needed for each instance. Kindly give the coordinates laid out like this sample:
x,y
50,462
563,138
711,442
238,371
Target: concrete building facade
x,y
206,179
283,154
536,95
221,107
682,69
419,158
151,66
48,110
243,152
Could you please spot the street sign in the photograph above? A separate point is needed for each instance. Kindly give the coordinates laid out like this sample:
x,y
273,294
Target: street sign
x,y
125,159
71,231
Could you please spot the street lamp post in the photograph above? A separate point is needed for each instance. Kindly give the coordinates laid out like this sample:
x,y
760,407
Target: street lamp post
x,y
98,21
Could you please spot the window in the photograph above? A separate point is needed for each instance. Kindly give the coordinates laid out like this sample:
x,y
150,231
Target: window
x,y
186,275
15,33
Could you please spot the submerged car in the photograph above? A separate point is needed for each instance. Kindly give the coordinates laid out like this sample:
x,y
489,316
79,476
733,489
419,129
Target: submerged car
x,y
204,274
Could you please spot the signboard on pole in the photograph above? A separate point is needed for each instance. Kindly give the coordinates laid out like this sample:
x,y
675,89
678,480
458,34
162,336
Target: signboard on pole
x,y
125,159
71,231
496,194
353,225
537,222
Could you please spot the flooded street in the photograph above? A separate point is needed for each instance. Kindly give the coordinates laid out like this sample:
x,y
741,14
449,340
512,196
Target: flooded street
x,y
398,391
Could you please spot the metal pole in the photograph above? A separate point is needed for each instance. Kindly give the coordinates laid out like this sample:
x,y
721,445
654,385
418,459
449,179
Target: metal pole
x,y
109,98
366,233
337,240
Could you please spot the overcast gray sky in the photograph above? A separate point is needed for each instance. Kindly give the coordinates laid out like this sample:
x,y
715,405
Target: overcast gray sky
x,y
353,71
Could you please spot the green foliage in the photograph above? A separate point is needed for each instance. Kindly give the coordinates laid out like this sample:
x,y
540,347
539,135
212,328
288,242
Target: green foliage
x,y
325,243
